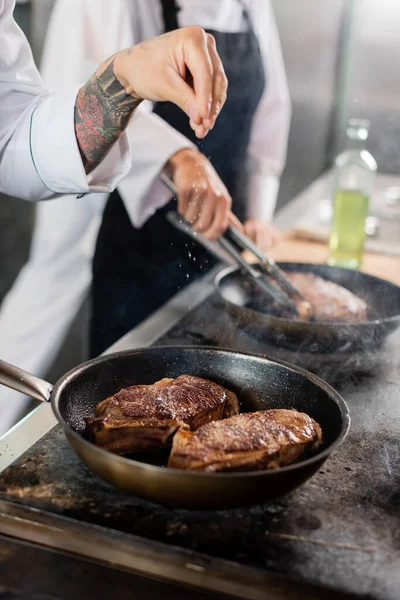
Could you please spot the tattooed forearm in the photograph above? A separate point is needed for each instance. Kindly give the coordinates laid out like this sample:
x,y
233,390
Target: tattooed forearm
x,y
102,111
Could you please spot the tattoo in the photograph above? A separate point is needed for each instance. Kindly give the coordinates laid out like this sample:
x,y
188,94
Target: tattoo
x,y
102,112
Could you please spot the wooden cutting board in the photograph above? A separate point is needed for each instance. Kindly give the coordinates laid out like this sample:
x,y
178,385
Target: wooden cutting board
x,y
290,248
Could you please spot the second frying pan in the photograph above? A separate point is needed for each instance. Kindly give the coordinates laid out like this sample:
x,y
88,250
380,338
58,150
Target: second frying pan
x,y
260,383
382,297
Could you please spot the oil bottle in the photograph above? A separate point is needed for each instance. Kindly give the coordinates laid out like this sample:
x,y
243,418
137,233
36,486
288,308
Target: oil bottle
x,y
353,182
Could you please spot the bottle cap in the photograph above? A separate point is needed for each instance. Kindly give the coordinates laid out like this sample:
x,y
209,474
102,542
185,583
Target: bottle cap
x,y
357,129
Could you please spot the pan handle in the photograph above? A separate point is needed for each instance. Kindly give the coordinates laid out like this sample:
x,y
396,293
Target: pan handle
x,y
24,382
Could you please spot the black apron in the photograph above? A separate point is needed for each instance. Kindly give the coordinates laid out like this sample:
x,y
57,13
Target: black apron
x,y
135,271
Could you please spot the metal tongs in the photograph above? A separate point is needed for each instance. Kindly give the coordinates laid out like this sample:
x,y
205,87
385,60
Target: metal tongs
x,y
286,294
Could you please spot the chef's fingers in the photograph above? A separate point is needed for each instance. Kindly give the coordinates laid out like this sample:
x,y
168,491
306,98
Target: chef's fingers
x,y
201,129
181,94
222,208
200,123
201,68
220,84
234,221
206,214
267,238
264,235
208,211
183,196
197,197
220,221
262,240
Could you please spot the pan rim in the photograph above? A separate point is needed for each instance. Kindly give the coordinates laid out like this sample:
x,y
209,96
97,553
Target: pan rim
x,y
335,396
280,320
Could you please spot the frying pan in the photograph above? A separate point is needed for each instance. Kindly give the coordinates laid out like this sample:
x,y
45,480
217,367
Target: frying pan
x,y
242,300
260,383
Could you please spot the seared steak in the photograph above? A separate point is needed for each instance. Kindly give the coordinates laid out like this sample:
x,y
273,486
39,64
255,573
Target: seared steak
x,y
330,301
247,442
143,417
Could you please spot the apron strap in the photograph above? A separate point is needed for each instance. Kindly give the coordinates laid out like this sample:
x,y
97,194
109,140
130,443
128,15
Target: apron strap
x,y
170,10
246,15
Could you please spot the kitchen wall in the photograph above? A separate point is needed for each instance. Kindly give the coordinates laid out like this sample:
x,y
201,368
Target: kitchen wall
x,y
310,32
371,83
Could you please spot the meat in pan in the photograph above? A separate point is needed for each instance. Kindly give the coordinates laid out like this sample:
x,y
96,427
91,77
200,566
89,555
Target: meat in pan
x,y
247,442
145,417
330,302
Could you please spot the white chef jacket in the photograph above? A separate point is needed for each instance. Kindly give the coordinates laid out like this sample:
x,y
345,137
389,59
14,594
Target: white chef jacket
x,y
39,154
92,30
37,312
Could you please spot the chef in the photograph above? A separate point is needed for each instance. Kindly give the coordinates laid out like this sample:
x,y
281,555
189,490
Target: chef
x,y
37,312
74,143
41,133
135,271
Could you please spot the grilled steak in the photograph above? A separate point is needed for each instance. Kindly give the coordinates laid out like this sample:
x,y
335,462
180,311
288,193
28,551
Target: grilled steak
x,y
330,301
247,442
143,417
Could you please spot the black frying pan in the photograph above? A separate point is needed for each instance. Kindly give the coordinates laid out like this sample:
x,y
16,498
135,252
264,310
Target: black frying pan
x,y
259,383
242,300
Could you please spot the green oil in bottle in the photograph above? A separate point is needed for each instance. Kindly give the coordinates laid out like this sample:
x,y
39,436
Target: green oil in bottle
x,y
346,243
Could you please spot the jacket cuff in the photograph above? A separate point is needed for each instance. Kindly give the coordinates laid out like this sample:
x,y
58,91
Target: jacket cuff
x,y
263,192
153,142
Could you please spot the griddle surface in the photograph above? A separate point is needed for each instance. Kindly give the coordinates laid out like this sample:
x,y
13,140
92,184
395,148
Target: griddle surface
x,y
341,530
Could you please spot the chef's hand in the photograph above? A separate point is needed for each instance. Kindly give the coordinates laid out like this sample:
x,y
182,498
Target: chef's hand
x,y
265,235
182,67
203,199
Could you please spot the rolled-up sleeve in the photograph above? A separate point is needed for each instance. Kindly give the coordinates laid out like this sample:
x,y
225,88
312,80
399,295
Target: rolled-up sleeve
x,y
58,163
39,154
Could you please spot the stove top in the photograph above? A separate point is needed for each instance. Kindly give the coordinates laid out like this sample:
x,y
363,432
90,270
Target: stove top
x,y
339,532
211,325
